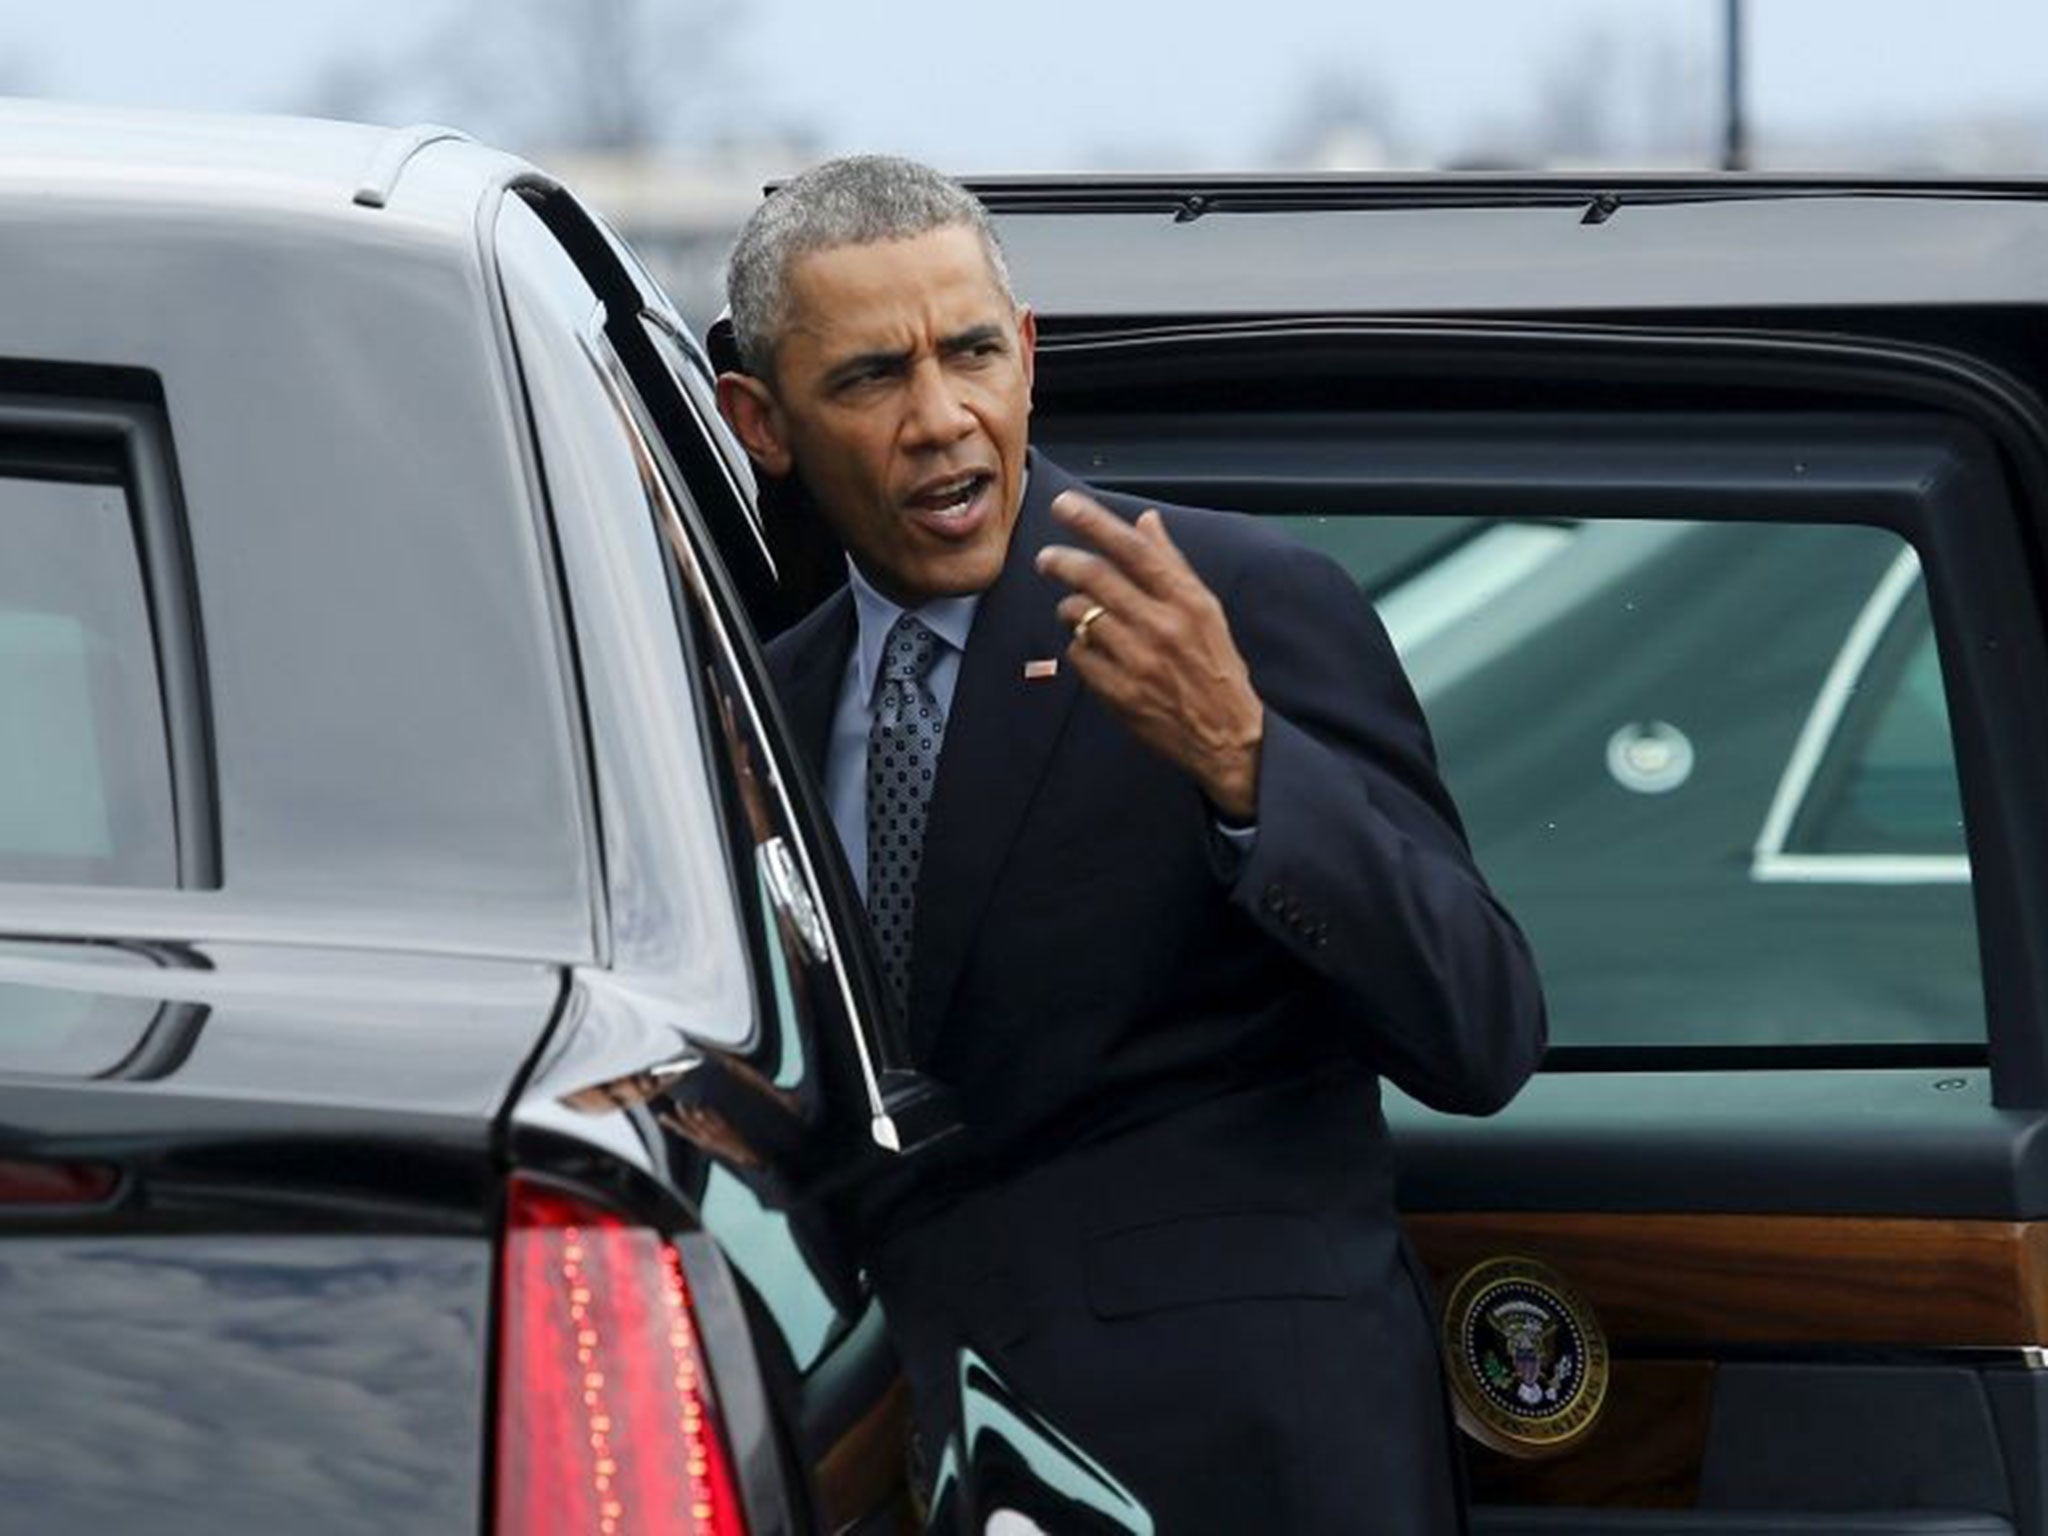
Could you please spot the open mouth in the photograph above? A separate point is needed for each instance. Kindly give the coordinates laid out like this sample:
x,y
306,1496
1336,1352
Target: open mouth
x,y
949,505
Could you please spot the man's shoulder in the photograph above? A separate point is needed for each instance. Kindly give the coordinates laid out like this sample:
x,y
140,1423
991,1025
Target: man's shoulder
x,y
813,638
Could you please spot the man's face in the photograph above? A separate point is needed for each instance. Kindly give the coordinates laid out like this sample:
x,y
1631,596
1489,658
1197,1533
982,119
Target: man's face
x,y
902,393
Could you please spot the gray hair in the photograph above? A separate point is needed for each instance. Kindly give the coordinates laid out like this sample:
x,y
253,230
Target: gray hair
x,y
856,200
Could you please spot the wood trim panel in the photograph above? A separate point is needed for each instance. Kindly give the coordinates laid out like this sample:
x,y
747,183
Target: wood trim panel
x,y
1677,1280
864,1469
1643,1452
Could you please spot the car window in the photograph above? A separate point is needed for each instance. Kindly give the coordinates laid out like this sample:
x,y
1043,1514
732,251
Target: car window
x,y
1871,792
85,779
1708,766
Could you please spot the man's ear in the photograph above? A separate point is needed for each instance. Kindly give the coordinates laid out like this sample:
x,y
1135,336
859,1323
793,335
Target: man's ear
x,y
749,408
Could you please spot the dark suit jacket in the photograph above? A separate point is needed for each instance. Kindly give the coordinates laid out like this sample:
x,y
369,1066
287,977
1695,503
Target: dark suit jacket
x,y
1170,1214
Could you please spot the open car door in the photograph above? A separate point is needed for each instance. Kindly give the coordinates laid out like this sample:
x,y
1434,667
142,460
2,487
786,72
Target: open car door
x,y
1728,626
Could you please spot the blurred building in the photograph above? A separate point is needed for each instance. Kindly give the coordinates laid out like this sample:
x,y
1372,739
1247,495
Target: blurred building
x,y
1985,144
679,209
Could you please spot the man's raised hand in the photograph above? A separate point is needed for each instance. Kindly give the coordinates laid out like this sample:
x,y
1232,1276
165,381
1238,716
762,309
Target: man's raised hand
x,y
1152,642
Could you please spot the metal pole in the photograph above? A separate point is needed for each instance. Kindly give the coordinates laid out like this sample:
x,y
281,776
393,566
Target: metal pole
x,y
1735,147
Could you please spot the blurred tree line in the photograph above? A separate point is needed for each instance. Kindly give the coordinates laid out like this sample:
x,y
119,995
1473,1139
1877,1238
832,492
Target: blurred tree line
x,y
563,75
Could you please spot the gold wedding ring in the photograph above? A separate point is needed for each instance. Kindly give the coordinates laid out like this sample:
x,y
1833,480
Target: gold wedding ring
x,y
1095,611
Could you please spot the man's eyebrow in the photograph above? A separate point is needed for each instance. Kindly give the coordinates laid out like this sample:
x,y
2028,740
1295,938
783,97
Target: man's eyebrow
x,y
974,336
867,362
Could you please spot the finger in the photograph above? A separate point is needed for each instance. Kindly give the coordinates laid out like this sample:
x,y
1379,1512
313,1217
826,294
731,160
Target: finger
x,y
1101,673
1178,580
1103,633
1110,536
1151,527
1091,574
1137,556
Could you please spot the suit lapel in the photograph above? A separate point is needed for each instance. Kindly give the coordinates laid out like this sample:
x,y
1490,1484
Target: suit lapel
x,y
807,670
999,733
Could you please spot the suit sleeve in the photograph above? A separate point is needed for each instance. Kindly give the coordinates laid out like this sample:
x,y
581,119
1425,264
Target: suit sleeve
x,y
1360,869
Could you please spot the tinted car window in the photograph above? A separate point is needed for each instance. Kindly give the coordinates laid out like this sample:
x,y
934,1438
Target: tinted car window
x,y
1883,794
1707,765
85,784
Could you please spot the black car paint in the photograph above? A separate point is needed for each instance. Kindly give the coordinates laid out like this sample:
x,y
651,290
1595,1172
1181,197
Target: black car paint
x,y
282,1312
205,1381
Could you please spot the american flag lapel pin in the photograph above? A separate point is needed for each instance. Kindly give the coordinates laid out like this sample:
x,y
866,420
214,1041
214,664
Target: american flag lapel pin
x,y
1039,670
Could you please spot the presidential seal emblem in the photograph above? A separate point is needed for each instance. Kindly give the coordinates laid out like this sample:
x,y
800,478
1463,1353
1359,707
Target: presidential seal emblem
x,y
1528,1362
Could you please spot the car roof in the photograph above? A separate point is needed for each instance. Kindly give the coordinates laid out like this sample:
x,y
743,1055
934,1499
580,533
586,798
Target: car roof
x,y
1138,247
112,157
304,317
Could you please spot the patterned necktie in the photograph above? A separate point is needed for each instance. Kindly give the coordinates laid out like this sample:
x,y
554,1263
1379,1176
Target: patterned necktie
x,y
904,737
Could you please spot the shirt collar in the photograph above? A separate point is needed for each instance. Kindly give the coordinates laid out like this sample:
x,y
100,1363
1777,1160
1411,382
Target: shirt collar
x,y
950,618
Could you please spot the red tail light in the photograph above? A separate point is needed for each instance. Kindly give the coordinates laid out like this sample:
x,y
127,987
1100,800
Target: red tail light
x,y
27,1183
606,1424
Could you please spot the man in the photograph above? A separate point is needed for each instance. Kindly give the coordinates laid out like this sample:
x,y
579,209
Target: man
x,y
1158,860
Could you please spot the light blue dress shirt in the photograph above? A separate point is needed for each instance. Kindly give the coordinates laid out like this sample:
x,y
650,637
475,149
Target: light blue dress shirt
x,y
846,756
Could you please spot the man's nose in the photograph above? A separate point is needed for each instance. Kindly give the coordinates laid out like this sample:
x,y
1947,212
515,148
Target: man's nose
x,y
938,415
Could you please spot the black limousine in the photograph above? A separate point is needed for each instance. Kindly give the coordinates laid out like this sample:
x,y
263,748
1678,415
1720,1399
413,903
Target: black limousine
x,y
433,1026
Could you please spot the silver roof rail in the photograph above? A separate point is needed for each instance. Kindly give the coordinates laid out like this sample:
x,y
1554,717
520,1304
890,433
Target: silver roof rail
x,y
380,176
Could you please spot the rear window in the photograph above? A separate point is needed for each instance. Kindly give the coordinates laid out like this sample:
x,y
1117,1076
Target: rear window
x,y
1708,766
85,778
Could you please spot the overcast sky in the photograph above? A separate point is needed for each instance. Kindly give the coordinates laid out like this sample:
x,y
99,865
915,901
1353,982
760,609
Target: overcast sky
x,y
1058,83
